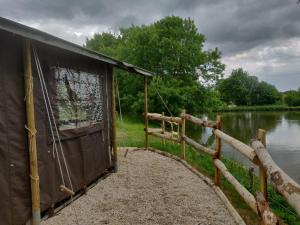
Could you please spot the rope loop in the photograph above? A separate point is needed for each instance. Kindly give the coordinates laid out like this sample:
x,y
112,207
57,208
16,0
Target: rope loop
x,y
52,122
32,132
36,178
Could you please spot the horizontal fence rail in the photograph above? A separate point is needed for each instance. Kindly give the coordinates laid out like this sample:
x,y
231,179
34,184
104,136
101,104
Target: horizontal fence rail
x,y
198,146
166,135
157,116
238,145
247,196
256,153
195,120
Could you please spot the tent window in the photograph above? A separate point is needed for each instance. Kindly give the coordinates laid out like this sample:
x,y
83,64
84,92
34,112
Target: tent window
x,y
79,98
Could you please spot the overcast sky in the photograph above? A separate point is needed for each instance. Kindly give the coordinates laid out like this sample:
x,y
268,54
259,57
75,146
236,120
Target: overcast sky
x,y
262,36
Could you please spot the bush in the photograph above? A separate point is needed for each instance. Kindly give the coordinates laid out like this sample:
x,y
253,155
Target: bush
x,y
292,98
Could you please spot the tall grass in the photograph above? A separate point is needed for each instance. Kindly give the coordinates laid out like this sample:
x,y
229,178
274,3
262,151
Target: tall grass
x,y
131,134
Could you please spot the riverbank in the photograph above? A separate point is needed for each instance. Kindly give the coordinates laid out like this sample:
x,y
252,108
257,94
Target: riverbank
x,y
258,108
130,133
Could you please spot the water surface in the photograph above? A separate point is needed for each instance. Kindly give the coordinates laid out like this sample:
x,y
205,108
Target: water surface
x,y
282,136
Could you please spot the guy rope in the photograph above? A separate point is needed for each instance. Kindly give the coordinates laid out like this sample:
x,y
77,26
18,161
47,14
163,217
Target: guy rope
x,y
174,134
54,130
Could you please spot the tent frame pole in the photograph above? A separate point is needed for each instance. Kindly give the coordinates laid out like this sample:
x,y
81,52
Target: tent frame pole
x,y
146,112
113,118
31,132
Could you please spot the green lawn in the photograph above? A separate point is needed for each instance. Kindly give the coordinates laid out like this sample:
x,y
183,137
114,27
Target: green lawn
x,y
130,133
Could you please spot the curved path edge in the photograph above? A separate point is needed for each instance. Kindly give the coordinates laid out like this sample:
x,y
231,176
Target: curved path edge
x,y
237,218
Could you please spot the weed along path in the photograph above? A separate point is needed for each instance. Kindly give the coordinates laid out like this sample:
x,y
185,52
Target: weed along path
x,y
148,189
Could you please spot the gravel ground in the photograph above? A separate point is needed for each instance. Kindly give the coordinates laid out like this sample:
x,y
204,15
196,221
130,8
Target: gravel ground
x,y
148,189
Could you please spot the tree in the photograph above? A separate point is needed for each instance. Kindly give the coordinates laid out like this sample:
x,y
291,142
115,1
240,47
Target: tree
x,y
105,43
235,89
292,98
172,48
264,94
242,89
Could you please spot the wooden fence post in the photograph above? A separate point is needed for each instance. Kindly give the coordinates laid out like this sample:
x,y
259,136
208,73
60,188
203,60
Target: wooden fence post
x,y
263,182
182,135
113,120
146,112
284,184
218,151
251,179
163,128
31,130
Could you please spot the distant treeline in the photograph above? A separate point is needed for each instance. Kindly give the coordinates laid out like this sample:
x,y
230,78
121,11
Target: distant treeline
x,y
241,89
186,75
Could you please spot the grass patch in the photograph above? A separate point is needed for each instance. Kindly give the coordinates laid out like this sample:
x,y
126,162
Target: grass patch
x,y
258,108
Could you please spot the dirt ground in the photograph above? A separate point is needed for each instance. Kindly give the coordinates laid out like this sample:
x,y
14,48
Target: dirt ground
x,y
148,189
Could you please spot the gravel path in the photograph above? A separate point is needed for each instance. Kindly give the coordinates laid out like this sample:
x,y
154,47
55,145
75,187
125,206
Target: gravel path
x,y
148,189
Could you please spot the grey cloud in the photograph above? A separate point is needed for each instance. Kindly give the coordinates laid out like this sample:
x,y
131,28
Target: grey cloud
x,y
251,21
242,21
283,80
235,26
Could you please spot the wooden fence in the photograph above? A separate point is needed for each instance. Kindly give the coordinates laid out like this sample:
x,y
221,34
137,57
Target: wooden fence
x,y
257,154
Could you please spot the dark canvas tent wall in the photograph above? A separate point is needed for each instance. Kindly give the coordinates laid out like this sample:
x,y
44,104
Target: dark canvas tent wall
x,y
87,146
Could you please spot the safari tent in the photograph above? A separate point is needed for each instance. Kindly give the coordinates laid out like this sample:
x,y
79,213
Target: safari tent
x,y
56,121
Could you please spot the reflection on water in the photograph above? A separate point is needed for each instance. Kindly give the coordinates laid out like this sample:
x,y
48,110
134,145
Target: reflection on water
x,y
282,130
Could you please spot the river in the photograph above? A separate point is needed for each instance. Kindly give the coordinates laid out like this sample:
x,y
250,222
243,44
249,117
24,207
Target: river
x,y
282,136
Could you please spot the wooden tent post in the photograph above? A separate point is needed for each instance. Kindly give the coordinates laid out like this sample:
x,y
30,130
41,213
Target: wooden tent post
x,y
218,151
146,112
34,175
113,121
263,183
183,135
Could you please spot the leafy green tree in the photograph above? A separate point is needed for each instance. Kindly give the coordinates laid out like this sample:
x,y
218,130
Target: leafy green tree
x,y
105,43
264,94
172,48
292,98
242,89
235,89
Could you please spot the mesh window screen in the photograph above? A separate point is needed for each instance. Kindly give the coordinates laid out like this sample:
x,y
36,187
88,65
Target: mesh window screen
x,y
79,97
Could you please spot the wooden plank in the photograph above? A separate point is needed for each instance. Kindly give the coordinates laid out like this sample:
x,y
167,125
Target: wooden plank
x,y
66,190
244,193
284,184
157,116
195,120
238,145
198,146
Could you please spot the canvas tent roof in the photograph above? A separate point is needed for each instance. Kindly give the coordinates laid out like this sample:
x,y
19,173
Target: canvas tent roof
x,y
46,38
